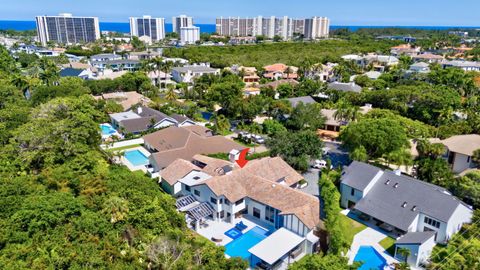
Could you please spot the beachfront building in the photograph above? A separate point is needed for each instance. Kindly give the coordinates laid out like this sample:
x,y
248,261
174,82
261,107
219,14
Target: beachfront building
x,y
181,21
190,34
284,27
67,29
147,28
228,204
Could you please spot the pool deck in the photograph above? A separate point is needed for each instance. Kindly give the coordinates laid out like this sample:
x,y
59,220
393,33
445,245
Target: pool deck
x,y
369,237
216,229
129,165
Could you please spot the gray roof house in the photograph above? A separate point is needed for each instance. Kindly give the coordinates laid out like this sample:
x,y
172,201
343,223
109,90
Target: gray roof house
x,y
420,245
305,100
347,87
143,118
402,204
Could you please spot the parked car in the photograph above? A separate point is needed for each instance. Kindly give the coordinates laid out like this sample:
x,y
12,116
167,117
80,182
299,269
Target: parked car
x,y
319,164
258,139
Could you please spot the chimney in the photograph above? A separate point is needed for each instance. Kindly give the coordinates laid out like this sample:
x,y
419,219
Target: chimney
x,y
139,110
233,155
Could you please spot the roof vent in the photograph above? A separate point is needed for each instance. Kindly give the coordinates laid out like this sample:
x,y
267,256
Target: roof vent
x,y
396,185
196,177
387,182
404,204
414,208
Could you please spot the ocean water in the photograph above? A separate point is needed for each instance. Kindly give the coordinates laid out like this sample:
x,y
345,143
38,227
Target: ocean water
x,y
204,28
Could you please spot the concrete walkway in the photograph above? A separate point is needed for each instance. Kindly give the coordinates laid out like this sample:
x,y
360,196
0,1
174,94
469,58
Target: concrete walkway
x,y
368,237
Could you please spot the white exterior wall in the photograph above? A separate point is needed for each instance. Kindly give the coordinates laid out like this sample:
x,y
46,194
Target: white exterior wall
x,y
189,35
441,232
425,250
461,216
346,195
164,123
292,223
461,163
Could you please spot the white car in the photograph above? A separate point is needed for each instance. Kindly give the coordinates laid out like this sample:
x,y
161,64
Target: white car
x,y
258,139
319,164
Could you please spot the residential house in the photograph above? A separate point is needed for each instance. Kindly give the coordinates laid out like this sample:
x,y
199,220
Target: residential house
x,y
141,119
381,62
373,75
404,49
116,65
420,245
184,142
145,55
428,58
84,74
460,150
103,57
357,59
401,204
321,72
187,74
332,125
280,71
126,99
465,65
419,67
159,77
263,191
297,100
346,87
275,84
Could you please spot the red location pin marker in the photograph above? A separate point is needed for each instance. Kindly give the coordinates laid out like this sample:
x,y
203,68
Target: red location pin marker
x,y
242,159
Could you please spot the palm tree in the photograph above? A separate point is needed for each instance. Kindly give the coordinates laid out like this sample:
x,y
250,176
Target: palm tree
x,y
404,252
50,76
157,63
166,67
170,95
346,112
288,71
221,123
116,208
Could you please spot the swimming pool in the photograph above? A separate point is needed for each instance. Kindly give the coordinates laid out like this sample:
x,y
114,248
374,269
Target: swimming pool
x,y
240,246
370,257
107,129
136,157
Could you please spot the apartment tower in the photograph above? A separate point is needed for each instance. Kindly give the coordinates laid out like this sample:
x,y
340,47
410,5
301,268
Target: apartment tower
x,y
181,21
151,28
67,29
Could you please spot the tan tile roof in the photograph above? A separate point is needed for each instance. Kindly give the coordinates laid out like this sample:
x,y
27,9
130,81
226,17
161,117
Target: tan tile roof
x,y
243,183
463,144
127,99
214,166
177,170
273,169
180,142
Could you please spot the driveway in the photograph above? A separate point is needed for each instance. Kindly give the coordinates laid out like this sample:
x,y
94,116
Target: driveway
x,y
337,154
312,178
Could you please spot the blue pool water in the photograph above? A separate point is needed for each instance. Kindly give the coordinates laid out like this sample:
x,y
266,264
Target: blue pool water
x,y
136,157
107,129
233,233
240,246
370,257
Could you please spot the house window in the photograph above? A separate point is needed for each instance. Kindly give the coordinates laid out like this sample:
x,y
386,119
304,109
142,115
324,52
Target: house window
x,y
221,200
213,200
256,212
239,202
196,192
187,188
432,222
227,202
270,214
352,192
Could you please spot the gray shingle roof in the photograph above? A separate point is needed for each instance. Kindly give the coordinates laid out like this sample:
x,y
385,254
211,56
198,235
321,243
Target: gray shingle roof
x,y
70,72
415,238
358,175
180,118
144,122
352,87
305,100
385,201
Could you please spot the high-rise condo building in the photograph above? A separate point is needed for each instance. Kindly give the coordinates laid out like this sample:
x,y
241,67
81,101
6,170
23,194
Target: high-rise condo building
x,y
147,28
189,35
286,28
181,21
67,29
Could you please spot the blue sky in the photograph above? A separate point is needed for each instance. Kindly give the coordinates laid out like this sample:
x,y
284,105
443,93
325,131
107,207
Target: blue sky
x,y
341,12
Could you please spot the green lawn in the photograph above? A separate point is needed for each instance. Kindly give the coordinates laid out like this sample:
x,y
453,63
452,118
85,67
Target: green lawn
x,y
124,147
388,244
350,227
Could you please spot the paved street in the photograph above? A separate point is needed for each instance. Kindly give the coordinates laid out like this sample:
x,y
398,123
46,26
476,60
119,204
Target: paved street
x,y
337,154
